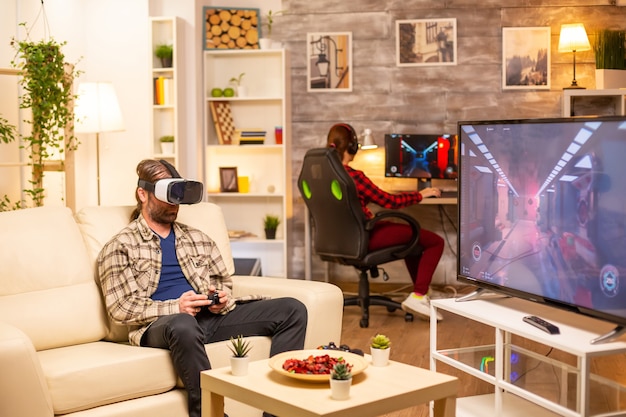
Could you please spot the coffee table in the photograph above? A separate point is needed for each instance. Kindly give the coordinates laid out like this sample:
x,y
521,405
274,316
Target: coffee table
x,y
375,391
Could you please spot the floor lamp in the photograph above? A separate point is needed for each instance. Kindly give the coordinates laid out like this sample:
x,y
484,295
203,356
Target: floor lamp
x,y
97,111
573,38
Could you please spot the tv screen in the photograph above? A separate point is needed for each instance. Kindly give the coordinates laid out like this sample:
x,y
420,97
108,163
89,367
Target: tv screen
x,y
542,211
421,156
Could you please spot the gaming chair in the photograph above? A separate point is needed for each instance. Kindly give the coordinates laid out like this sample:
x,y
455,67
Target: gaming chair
x,y
340,230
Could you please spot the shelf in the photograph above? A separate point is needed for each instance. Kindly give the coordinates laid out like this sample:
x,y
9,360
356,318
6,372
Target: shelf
x,y
508,366
609,102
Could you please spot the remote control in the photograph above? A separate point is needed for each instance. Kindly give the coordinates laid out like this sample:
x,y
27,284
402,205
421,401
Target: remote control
x,y
542,324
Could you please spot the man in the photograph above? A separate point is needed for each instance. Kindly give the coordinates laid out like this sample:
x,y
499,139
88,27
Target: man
x,y
168,283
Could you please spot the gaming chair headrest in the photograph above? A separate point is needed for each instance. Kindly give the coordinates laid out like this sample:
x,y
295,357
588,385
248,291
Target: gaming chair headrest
x,y
353,145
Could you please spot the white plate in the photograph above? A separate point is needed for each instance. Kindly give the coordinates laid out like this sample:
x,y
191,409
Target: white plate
x,y
359,363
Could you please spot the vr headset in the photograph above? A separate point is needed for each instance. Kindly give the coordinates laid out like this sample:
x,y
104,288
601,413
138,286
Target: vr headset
x,y
174,190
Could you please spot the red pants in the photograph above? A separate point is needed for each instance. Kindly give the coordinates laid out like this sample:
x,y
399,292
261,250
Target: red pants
x,y
421,268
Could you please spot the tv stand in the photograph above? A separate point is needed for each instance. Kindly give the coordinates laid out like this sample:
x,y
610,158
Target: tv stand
x,y
610,336
573,383
478,294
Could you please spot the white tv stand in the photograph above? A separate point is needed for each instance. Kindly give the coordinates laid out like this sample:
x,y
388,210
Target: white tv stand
x,y
505,315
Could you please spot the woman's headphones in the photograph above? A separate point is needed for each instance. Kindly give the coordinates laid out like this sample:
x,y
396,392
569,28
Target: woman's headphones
x,y
353,144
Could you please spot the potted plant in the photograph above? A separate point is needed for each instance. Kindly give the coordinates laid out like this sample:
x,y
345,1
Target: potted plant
x,y
241,89
270,224
167,144
240,359
380,347
165,53
610,57
340,381
266,41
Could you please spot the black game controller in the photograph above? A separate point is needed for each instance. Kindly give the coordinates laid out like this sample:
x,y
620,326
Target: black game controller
x,y
215,298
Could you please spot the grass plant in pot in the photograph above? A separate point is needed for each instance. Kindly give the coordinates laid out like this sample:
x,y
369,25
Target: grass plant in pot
x,y
270,224
380,348
610,56
165,53
340,381
167,144
239,360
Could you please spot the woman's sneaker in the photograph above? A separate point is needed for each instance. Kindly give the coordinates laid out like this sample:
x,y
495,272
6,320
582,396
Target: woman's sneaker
x,y
420,305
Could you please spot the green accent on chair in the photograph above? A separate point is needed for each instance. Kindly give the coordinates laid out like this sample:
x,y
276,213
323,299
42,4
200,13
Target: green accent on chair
x,y
335,188
306,189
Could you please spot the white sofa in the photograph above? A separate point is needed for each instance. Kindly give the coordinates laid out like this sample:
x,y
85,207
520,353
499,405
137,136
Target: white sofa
x,y
59,354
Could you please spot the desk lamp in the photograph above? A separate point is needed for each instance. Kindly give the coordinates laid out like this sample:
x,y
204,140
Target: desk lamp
x,y
573,38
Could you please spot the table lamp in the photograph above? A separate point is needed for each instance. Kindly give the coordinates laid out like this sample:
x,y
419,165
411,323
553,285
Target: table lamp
x,y
97,111
573,38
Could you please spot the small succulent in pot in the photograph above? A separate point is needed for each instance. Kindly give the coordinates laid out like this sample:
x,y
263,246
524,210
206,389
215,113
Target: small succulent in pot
x,y
239,347
380,341
341,371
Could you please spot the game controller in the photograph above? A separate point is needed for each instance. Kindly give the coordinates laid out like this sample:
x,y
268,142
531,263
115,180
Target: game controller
x,y
214,298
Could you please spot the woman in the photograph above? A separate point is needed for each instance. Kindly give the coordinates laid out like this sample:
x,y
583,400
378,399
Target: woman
x,y
421,268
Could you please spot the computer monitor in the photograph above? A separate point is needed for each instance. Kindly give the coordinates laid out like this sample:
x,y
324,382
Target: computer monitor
x,y
421,156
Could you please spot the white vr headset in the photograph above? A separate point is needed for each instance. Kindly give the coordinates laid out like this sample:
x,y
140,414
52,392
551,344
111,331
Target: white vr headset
x,y
175,190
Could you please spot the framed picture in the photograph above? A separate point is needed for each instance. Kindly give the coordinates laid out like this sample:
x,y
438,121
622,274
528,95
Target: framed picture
x,y
425,42
231,28
526,58
228,180
329,62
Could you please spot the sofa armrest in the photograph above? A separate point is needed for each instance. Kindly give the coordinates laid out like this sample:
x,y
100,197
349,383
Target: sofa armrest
x,y
323,301
22,383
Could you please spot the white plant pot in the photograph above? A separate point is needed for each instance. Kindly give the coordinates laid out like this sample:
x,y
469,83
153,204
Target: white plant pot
x,y
242,91
239,366
380,357
265,43
340,388
167,148
610,78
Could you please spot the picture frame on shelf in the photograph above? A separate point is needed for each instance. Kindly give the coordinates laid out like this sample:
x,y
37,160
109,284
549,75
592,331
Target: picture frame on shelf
x,y
228,180
231,28
329,62
424,42
526,58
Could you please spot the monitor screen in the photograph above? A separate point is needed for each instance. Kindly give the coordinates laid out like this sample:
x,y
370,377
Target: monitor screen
x,y
421,156
542,211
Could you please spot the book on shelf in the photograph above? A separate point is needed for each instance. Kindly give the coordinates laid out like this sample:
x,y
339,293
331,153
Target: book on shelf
x,y
252,137
163,91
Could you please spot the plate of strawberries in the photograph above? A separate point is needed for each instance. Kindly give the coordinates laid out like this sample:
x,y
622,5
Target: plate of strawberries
x,y
315,365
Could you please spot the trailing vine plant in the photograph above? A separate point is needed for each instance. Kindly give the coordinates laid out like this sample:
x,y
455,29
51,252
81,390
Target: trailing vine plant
x,y
47,82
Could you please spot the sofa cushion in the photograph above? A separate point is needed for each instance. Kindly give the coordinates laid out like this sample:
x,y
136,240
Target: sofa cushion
x,y
45,267
93,374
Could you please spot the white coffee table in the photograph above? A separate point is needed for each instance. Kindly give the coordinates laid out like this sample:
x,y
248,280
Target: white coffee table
x,y
376,391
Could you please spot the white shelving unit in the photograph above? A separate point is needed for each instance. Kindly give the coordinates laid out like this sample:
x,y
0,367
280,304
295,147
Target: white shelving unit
x,y
268,166
165,118
502,363
616,99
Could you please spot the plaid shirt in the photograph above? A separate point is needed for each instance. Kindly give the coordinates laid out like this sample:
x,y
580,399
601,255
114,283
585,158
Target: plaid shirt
x,y
370,193
129,269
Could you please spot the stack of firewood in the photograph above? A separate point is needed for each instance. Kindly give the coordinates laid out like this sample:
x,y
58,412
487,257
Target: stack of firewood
x,y
232,29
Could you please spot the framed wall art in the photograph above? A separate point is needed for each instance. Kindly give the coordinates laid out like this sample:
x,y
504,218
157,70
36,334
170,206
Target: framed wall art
x,y
526,58
329,62
231,28
426,42
228,180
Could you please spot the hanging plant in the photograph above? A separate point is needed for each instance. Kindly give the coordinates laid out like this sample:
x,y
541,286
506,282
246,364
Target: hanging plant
x,y
47,83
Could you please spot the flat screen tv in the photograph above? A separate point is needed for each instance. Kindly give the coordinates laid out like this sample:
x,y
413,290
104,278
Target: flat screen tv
x,y
542,212
421,156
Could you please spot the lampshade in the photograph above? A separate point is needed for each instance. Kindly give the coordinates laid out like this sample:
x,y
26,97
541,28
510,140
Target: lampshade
x,y
368,140
573,38
97,109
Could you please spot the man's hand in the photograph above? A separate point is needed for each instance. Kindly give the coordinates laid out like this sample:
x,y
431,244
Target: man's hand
x,y
191,303
223,298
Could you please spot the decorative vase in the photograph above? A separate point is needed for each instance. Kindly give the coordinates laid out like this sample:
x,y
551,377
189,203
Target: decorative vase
x,y
340,388
167,148
610,78
239,365
270,233
380,357
265,43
